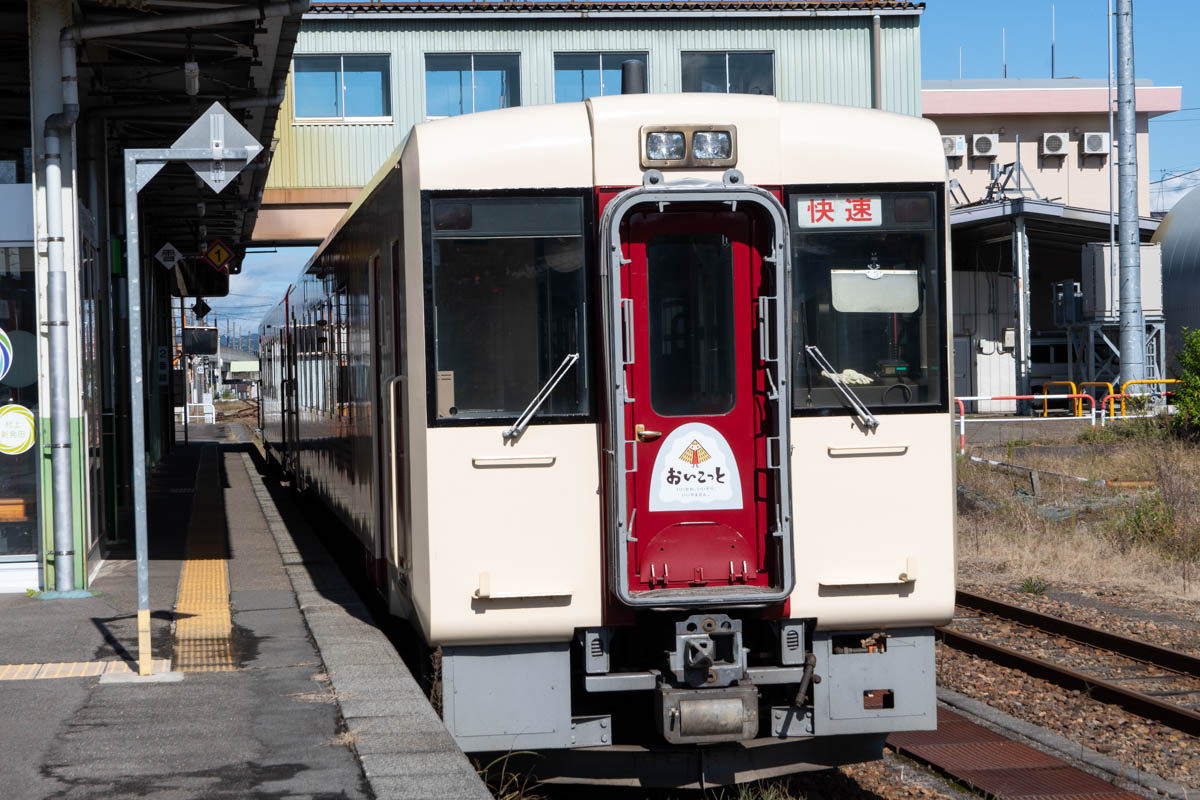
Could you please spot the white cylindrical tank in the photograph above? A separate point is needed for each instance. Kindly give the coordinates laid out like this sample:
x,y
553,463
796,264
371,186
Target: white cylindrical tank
x,y
1179,235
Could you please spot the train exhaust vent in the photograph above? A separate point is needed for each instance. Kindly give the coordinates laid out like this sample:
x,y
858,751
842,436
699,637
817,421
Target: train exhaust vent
x,y
597,648
1095,143
1055,144
984,145
791,640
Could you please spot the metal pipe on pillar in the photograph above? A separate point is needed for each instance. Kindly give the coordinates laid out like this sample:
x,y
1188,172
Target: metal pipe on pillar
x,y
876,64
1132,325
59,126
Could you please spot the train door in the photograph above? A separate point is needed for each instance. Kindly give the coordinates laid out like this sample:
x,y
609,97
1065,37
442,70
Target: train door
x,y
289,396
702,417
382,369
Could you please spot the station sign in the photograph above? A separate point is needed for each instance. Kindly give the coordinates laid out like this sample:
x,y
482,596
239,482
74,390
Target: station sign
x,y
17,430
839,211
168,255
217,130
218,255
6,354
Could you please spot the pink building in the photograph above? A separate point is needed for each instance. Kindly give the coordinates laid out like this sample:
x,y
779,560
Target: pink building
x,y
1033,160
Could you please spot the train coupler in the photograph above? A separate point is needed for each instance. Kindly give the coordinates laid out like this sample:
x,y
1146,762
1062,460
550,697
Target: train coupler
x,y
701,716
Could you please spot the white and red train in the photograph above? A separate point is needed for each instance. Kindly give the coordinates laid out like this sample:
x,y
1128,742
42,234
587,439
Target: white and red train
x,y
640,408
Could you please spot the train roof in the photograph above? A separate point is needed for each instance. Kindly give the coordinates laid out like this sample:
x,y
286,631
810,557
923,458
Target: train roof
x,y
597,143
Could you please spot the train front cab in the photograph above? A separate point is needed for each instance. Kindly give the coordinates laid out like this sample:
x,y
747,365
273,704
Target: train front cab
x,y
730,532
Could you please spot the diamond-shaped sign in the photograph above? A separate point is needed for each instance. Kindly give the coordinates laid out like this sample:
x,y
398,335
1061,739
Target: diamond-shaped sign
x,y
168,255
216,130
218,255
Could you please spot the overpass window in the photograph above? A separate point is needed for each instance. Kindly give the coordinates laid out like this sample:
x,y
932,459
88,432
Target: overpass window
x,y
729,72
464,83
581,75
342,87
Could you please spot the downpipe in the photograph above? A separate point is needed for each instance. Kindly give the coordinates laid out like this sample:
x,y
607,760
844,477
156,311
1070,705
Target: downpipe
x,y
58,126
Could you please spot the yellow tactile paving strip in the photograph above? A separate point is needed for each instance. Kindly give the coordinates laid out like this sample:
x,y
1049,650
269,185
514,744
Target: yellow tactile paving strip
x,y
203,626
74,669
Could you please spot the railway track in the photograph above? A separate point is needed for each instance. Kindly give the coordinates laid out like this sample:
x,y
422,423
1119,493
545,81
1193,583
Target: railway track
x,y
1154,682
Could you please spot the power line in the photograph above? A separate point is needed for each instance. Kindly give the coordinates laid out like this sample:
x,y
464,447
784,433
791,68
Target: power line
x,y
1165,178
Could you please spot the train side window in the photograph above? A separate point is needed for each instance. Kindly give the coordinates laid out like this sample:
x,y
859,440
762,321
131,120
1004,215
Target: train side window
x,y
509,304
867,288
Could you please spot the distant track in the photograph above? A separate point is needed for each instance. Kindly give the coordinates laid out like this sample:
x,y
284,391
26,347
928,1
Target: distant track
x,y
1151,663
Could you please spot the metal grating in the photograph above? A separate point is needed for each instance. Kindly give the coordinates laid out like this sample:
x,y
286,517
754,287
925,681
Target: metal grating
x,y
999,767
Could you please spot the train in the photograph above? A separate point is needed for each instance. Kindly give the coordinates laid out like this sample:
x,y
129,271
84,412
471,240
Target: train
x,y
639,411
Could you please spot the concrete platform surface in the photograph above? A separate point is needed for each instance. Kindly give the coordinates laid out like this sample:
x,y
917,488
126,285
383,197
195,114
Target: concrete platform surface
x,y
288,689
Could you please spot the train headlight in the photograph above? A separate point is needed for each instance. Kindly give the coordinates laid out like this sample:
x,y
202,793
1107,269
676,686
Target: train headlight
x,y
688,146
664,146
711,145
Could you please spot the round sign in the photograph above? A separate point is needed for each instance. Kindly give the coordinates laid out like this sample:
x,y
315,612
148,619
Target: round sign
x,y
6,353
16,429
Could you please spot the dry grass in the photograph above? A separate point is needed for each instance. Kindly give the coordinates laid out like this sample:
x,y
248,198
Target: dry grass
x,y
1075,533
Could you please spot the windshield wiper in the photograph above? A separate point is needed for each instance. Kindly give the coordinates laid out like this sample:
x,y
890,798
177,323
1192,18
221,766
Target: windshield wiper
x,y
523,421
860,409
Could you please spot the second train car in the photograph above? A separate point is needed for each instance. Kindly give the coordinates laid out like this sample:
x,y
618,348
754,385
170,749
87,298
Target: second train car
x,y
639,408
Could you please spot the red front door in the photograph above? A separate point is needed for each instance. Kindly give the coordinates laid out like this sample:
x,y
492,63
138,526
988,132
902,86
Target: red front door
x,y
697,492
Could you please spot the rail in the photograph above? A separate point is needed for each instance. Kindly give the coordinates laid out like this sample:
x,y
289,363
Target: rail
x,y
1102,689
1095,383
1074,390
962,414
1124,393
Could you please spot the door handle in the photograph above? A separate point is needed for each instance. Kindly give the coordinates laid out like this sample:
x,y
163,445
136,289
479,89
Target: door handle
x,y
644,435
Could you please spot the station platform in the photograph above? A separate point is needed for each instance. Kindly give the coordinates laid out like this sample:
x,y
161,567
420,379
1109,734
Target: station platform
x,y
270,678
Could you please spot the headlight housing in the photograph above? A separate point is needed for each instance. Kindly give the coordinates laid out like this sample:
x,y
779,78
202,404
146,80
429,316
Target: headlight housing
x,y
708,145
688,146
665,146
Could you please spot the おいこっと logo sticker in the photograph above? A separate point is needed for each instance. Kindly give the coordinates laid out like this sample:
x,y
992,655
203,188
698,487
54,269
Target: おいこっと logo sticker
x,y
16,429
695,469
6,354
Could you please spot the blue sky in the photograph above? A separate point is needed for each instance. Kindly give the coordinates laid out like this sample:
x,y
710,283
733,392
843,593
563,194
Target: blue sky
x,y
1164,34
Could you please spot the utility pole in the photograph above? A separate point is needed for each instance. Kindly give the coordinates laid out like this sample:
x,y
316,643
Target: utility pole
x,y
1133,329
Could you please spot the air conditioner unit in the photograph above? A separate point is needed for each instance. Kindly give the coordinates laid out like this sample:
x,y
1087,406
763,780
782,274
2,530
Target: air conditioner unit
x,y
1096,143
954,146
985,145
1055,144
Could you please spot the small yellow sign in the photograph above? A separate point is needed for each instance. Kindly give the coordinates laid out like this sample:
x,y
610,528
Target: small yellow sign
x,y
218,254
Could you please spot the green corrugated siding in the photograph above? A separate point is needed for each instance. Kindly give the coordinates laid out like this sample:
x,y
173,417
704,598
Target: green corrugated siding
x,y
823,60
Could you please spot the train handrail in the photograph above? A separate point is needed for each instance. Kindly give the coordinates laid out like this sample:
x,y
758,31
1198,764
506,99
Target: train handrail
x,y
1074,390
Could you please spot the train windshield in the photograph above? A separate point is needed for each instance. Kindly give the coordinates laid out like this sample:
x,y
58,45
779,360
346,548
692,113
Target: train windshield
x,y
509,304
866,291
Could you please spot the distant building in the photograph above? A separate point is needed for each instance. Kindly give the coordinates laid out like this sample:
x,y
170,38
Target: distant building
x,y
1062,125
1025,309
363,75
239,373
